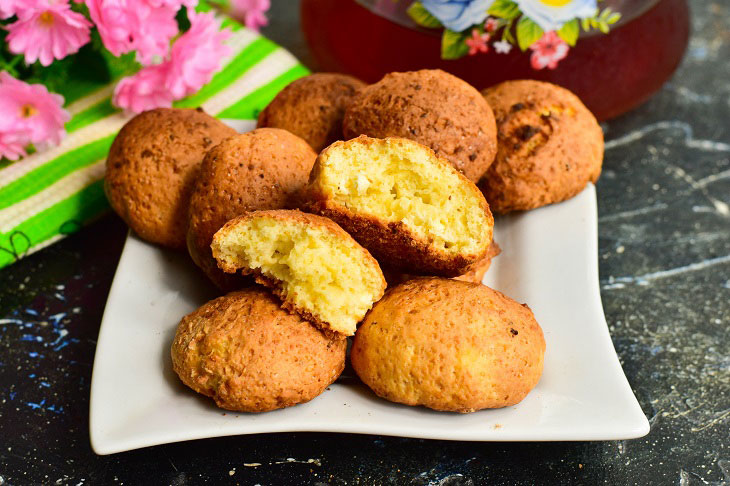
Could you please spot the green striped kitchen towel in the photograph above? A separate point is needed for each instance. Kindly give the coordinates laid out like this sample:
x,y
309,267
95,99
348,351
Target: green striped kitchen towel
x,y
50,194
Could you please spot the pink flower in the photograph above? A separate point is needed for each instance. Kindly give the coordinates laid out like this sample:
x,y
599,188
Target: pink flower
x,y
8,8
491,24
129,25
477,42
173,4
12,146
194,58
251,12
548,51
197,55
47,30
29,114
145,90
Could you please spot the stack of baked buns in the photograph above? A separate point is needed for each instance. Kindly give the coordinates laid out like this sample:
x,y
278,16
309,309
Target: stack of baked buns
x,y
342,190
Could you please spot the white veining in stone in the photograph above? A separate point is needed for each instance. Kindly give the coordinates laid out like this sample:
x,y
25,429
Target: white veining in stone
x,y
619,282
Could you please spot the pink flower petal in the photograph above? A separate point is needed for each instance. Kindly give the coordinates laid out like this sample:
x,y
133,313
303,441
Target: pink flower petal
x,y
8,8
173,4
145,26
251,12
145,90
12,147
197,55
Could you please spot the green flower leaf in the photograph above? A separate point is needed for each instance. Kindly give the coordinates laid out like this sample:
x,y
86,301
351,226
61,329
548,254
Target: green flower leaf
x,y
602,21
507,33
423,17
504,9
615,17
569,32
527,32
453,45
120,66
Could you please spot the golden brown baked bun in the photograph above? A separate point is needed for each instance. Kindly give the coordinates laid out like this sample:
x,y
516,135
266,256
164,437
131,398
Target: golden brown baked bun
x,y
431,107
152,166
410,208
316,268
312,107
262,169
550,146
474,272
449,345
249,355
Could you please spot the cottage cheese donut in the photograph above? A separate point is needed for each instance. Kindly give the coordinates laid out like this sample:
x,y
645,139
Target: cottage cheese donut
x,y
449,345
433,108
248,354
152,166
316,268
550,146
474,272
410,208
262,169
312,107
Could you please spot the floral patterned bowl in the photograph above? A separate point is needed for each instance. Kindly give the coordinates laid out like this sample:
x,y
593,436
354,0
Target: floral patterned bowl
x,y
612,53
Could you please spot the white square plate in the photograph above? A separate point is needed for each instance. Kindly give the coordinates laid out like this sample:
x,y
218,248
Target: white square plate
x,y
549,260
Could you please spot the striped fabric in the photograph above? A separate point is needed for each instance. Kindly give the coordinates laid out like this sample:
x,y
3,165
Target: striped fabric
x,y
53,193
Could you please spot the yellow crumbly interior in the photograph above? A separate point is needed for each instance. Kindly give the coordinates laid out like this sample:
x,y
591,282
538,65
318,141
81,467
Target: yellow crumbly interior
x,y
319,272
401,182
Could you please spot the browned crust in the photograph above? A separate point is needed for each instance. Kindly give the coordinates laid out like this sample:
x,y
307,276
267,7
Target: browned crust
x,y
312,107
474,273
250,355
394,244
291,216
550,146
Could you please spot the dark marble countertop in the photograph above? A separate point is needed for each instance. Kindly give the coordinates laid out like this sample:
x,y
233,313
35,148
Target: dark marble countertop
x,y
664,229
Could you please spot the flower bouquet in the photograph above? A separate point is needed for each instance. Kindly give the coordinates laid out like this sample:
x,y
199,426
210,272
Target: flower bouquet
x,y
55,51
546,27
